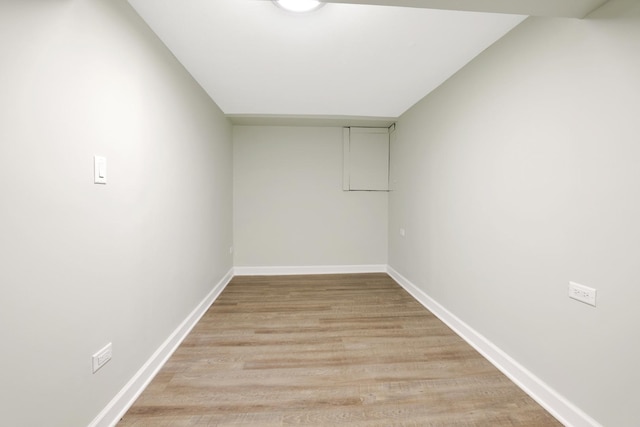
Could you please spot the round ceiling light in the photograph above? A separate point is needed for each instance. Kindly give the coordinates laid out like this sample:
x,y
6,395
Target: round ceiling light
x,y
299,5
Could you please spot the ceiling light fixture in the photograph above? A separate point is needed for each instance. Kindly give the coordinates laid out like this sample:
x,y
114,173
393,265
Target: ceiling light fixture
x,y
299,5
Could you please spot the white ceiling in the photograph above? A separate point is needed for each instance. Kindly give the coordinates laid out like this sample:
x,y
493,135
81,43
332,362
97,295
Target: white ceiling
x,y
343,60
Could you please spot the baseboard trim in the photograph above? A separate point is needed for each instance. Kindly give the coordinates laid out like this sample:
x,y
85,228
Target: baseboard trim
x,y
557,405
314,269
121,403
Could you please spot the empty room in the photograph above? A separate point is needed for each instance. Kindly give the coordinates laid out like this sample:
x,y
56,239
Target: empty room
x,y
367,213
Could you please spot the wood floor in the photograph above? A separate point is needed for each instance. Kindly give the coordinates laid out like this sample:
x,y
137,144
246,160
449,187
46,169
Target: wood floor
x,y
328,350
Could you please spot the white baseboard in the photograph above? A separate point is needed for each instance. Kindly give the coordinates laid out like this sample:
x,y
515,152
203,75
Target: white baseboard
x,y
119,405
566,412
318,269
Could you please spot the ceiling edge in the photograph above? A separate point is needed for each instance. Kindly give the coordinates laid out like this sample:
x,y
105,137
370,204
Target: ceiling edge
x,y
315,121
549,8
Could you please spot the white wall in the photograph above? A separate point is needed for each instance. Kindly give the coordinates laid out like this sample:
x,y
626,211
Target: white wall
x,y
82,264
520,174
289,207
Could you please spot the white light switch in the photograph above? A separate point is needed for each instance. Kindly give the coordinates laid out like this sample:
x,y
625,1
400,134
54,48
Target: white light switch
x,y
99,170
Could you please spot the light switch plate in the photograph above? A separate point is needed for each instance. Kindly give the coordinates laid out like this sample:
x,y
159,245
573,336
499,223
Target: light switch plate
x,y
99,170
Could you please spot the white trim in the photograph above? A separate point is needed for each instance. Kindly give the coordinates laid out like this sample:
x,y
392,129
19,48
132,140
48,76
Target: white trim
x,y
317,269
119,405
346,137
557,405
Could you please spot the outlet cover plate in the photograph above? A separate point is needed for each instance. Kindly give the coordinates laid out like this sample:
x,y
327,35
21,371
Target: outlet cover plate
x,y
101,357
582,293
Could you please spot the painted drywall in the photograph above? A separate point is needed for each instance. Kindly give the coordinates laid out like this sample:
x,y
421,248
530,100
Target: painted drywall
x,y
521,174
82,264
289,207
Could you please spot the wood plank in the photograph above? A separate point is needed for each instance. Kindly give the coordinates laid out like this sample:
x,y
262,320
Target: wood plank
x,y
328,350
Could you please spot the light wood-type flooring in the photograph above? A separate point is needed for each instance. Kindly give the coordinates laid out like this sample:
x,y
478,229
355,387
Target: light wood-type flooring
x,y
330,350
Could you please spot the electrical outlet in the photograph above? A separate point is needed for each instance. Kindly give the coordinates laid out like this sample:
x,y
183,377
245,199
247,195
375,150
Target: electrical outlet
x,y
101,357
402,232
582,293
